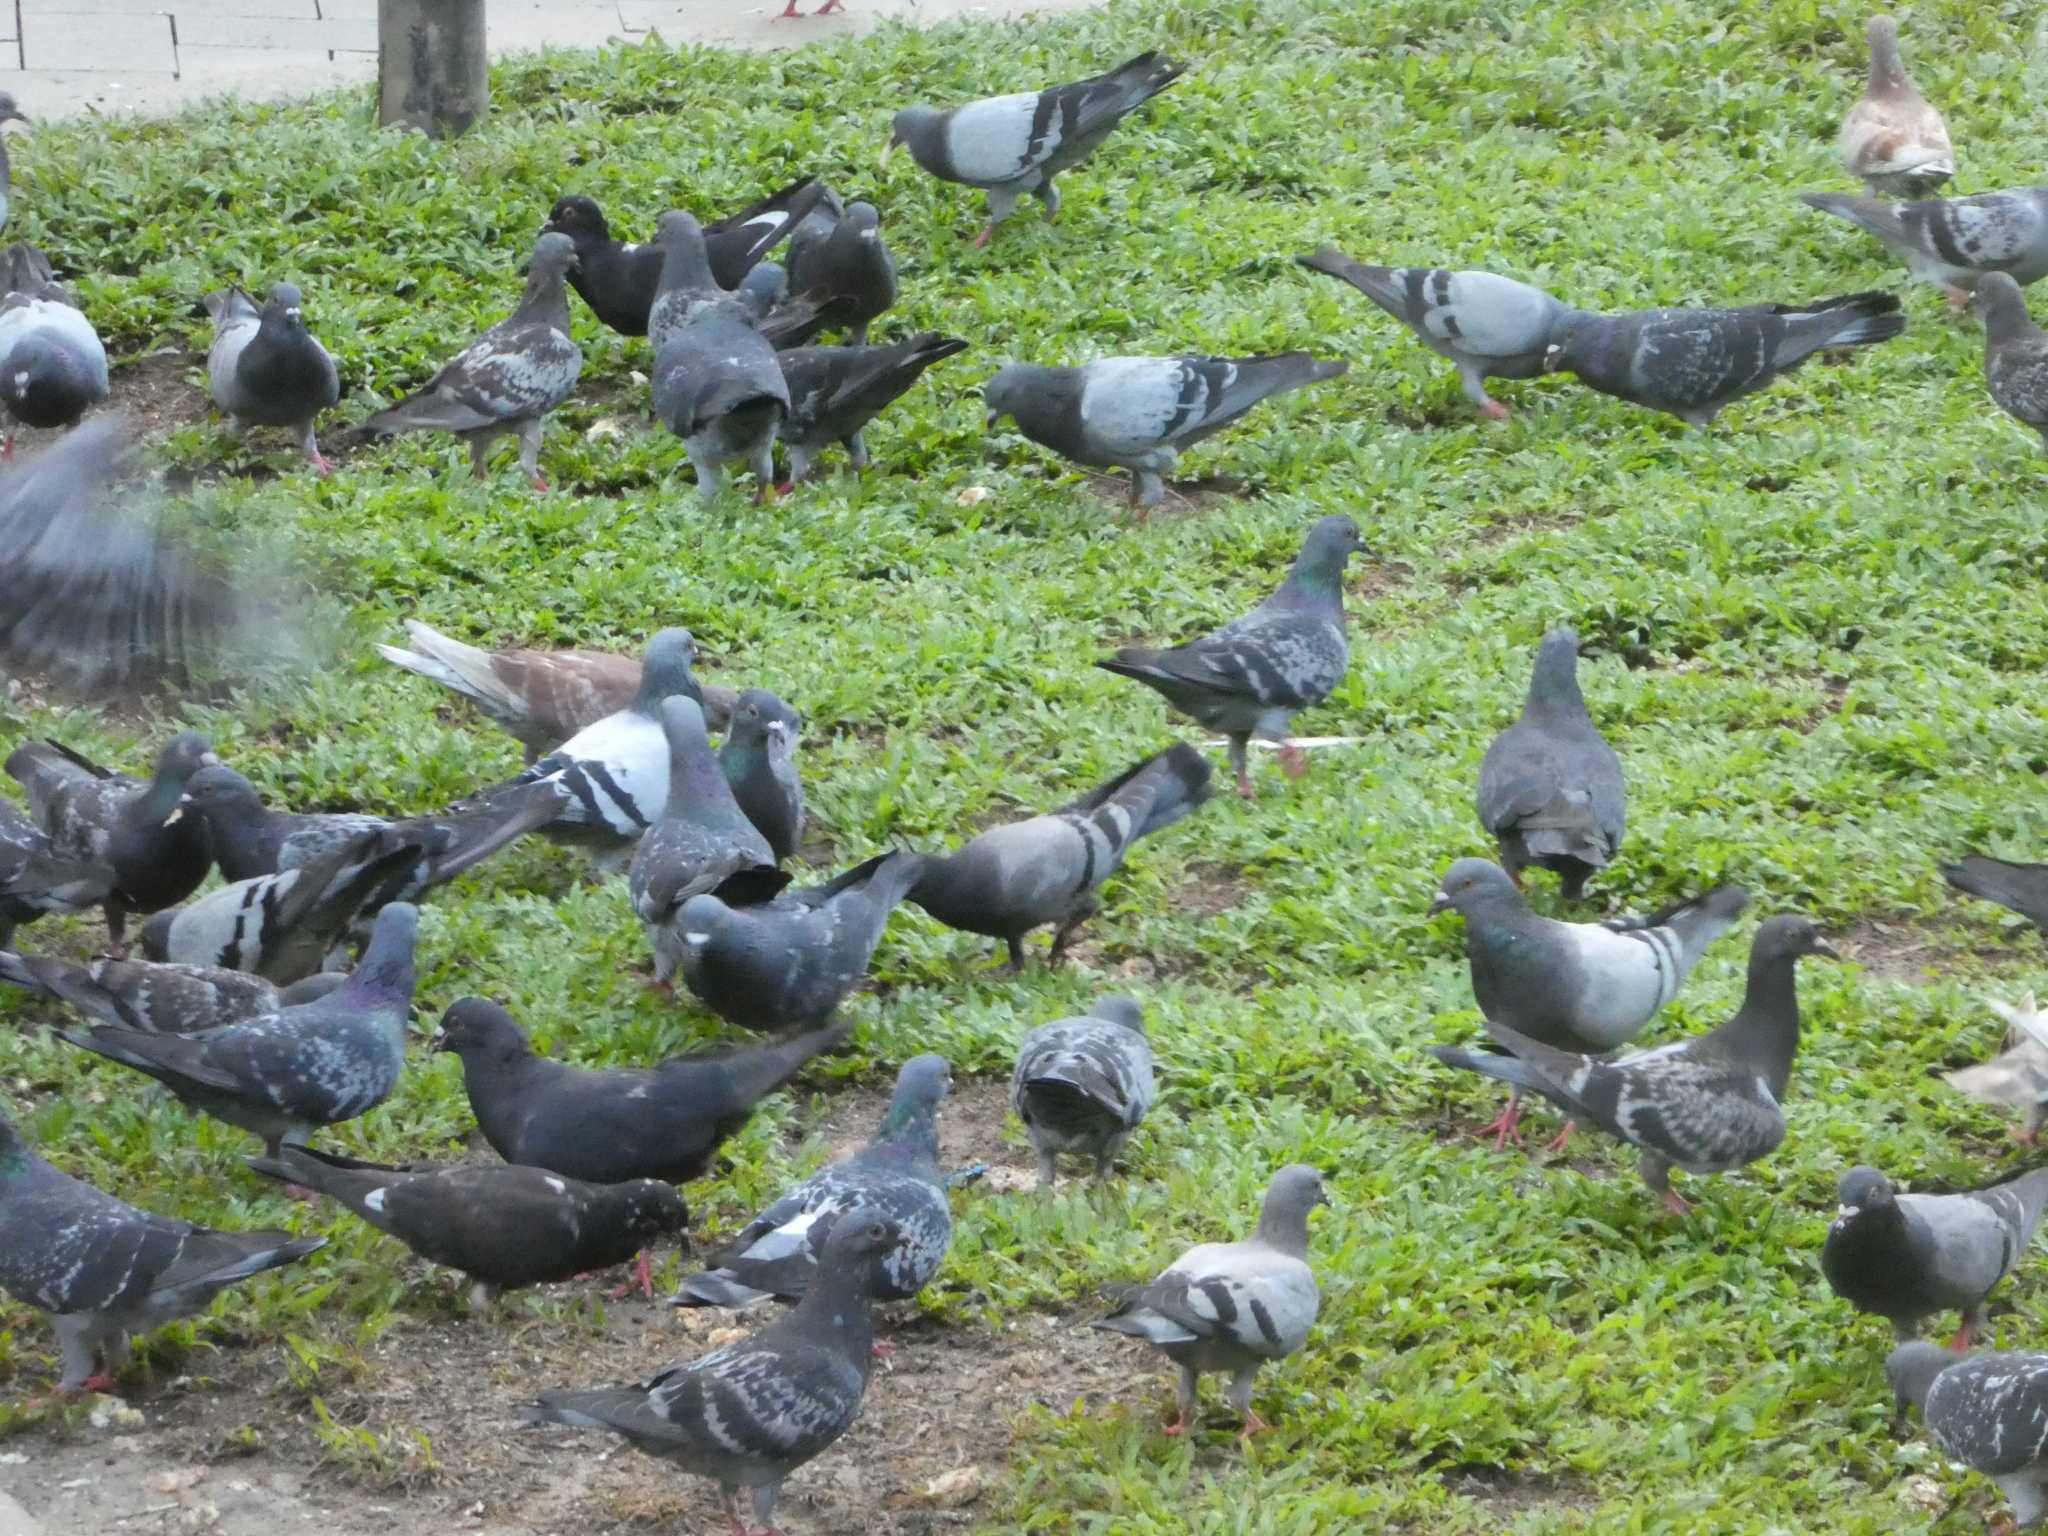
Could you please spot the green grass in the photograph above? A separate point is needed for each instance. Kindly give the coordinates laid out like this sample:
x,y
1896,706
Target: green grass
x,y
1829,618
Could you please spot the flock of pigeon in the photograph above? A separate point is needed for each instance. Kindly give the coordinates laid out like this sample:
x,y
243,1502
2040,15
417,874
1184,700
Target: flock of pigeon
x,y
248,1007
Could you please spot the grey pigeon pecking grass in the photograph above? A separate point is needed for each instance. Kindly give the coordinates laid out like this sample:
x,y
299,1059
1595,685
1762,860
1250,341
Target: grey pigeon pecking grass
x,y
266,369
53,368
1082,1085
1586,987
1013,146
9,112
1987,1411
2015,353
839,261
758,759
1709,1104
103,1270
1905,1257
505,382
1048,868
2016,1078
1491,327
835,392
1234,1307
1550,787
1142,413
1892,140
782,1252
35,882
1692,362
1952,243
750,1413
1254,675
160,999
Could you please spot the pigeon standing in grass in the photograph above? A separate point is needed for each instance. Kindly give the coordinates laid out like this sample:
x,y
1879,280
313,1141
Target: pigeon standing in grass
x,y
1550,787
52,365
2021,888
1491,327
758,758
1234,1306
1047,869
506,381
1142,412
35,883
160,999
781,1251
750,1413
840,261
2017,1078
1011,146
1904,1257
104,1270
1689,363
1709,1104
9,112
1892,140
2015,353
834,392
1988,1411
1083,1085
1952,243
1254,675
265,368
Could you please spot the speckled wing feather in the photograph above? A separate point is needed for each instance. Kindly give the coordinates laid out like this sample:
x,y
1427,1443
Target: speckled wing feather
x,y
1990,1412
777,1253
1247,1296
1954,241
517,369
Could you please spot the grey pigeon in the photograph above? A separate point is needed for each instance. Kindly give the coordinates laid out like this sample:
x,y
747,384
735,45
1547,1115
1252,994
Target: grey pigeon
x,y
2015,353
283,1075
160,999
1255,674
662,1122
1011,146
782,1251
840,261
1892,140
104,1270
94,816
265,368
834,392
2016,1078
34,882
702,841
2021,888
1047,868
1083,1085
1233,1306
1904,1257
1709,1104
502,1227
1988,1411
1689,363
540,698
1550,787
1142,412
788,962
761,290
1951,243
758,758
9,112
508,379
1491,327
52,365
751,1412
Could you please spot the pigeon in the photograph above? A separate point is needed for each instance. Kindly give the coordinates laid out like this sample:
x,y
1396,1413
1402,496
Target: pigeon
x,y
840,261
618,281
751,1412
508,379
1233,1306
281,1076
2021,888
503,1227
265,368
1709,1104
1550,787
702,843
1255,674
1141,412
1892,140
788,962
2015,353
781,1251
160,999
1046,869
9,112
540,698
104,1270
1083,1085
1904,1257
2018,1076
758,758
1491,327
834,392
94,816
1951,243
34,882
608,1127
1987,1411
1013,145
1689,363
52,365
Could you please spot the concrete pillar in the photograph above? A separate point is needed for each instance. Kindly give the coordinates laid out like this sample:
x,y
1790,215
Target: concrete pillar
x,y
433,68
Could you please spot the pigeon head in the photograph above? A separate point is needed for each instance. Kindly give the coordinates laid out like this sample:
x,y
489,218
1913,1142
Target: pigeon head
x,y
651,1209
859,1237
217,790
554,257
184,755
685,264
690,760
702,919
764,287
577,217
1887,71
1330,543
1296,1190
1470,884
666,670
284,309
1789,938
760,719
1579,349
1911,1368
9,112
1861,1190
921,1086
1035,397
1119,1010
918,130
47,383
1554,683
480,1032
2003,306
386,969
865,220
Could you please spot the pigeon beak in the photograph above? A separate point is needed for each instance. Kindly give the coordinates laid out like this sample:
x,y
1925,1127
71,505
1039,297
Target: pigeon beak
x,y
1553,358
1826,950
438,1041
209,759
993,416
177,814
882,162
696,939
1845,1212
1441,904
17,116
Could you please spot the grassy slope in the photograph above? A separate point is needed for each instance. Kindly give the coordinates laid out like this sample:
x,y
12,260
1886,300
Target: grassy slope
x,y
1832,608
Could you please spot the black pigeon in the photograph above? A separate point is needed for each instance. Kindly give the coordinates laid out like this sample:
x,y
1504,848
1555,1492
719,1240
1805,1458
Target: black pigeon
x,y
834,392
503,1227
1988,1411
104,1270
34,882
2015,353
838,260
758,758
607,1127
1083,1085
1047,869
265,368
160,999
52,365
2022,888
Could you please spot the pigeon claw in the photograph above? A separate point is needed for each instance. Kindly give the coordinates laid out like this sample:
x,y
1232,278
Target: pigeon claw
x,y
1493,410
1563,1140
882,1349
1244,788
1676,1203
1253,1425
789,13
1506,1128
1177,1427
988,230
1293,761
540,483
829,7
643,1279
322,465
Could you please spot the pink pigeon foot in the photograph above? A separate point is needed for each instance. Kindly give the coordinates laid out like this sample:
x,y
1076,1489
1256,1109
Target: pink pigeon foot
x,y
1493,410
882,1349
1244,788
643,1278
1177,1427
1676,1203
981,240
1505,1129
1961,1342
1293,761
1253,1425
828,8
789,13
1564,1139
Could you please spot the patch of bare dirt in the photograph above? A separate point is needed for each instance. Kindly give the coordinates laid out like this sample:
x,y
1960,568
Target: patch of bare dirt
x,y
1182,496
1897,947
1513,1493
1210,888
